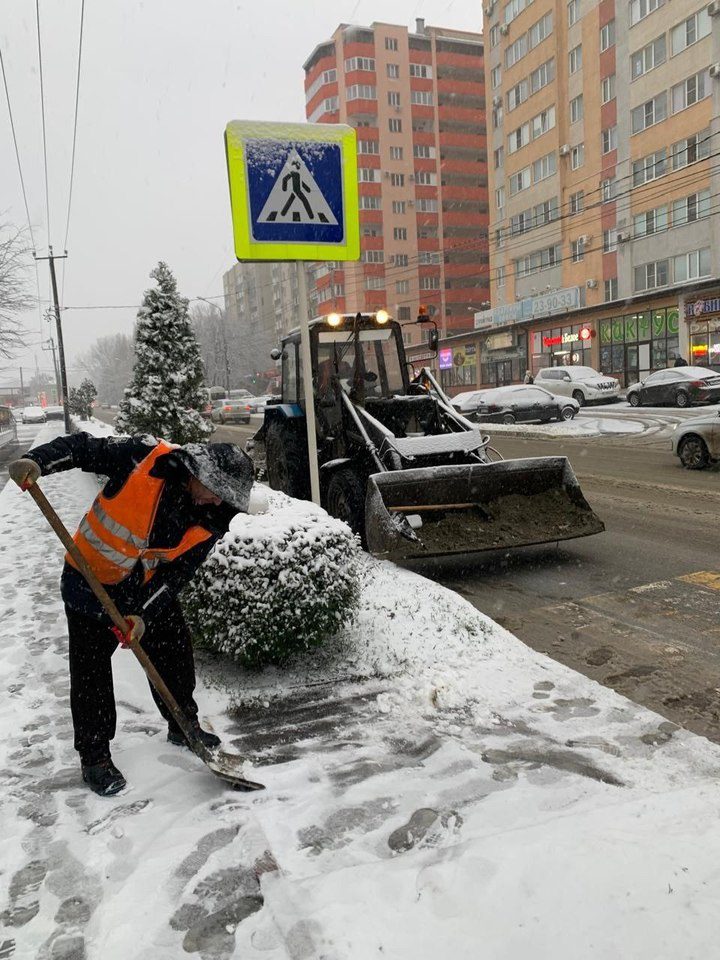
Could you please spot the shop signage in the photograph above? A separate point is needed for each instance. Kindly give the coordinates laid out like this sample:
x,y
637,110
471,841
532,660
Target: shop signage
x,y
499,341
558,301
504,314
420,357
445,358
700,307
639,326
583,334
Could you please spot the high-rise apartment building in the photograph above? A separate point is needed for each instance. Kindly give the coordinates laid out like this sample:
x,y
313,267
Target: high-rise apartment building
x,y
418,103
603,129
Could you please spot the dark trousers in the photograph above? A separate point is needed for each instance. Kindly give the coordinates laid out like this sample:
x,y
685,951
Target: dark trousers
x,y
92,699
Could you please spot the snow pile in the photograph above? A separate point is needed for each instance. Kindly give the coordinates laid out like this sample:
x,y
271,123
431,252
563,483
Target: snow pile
x,y
582,426
278,583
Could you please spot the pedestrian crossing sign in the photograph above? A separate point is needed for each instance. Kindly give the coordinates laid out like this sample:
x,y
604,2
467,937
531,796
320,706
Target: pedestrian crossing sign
x,y
293,190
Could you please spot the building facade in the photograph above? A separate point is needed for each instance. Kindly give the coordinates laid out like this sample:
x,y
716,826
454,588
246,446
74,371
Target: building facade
x,y
604,126
418,103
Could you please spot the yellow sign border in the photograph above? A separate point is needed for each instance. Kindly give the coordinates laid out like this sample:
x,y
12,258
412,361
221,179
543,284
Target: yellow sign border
x,y
246,248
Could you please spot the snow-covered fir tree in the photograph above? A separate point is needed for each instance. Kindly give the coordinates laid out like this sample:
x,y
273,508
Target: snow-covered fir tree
x,y
164,396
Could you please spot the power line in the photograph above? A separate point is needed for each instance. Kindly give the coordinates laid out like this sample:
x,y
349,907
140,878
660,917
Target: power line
x,y
74,143
17,152
42,109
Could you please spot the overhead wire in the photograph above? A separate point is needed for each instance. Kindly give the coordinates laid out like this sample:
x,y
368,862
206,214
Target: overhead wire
x,y
74,144
42,110
17,151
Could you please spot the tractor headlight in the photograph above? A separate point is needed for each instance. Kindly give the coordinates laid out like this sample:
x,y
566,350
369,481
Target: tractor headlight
x,y
334,319
382,316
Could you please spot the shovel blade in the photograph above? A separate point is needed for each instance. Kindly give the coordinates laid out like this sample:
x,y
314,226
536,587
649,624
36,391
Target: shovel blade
x,y
431,511
227,766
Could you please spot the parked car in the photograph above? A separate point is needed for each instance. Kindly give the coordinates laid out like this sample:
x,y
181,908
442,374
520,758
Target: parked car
x,y
54,412
230,411
258,404
519,404
679,386
697,442
581,383
33,415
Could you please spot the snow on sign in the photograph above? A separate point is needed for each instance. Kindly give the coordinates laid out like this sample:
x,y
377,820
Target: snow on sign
x,y
293,190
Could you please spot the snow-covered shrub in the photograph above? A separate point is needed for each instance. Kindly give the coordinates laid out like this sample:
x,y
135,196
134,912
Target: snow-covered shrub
x,y
278,583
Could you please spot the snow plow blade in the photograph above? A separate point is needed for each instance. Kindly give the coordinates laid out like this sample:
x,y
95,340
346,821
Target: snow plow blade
x,y
432,511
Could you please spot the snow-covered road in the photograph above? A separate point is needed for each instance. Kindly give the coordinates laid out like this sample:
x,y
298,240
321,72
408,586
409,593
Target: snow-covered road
x,y
435,789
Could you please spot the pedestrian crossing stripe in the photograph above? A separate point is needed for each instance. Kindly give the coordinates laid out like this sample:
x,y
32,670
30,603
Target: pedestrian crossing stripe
x,y
296,197
705,578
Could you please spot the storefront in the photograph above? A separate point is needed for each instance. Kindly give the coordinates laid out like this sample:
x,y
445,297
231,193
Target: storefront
x,y
635,344
556,346
503,358
458,367
703,319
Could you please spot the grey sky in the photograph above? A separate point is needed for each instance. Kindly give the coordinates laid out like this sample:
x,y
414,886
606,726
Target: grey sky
x,y
160,79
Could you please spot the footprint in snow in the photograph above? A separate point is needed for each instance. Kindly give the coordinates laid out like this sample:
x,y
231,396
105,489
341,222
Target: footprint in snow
x,y
121,810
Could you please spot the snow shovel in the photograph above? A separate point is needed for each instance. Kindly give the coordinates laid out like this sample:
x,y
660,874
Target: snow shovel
x,y
224,765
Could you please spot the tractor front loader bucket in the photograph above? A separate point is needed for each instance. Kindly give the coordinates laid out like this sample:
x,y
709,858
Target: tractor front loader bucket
x,y
430,511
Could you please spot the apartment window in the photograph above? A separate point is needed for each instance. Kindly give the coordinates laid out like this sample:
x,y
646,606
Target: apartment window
x,y
328,105
610,240
423,151
539,31
327,76
393,98
608,189
500,198
577,156
651,275
428,257
361,91
649,113
393,71
517,95
520,181
611,289
374,283
391,43
396,153
691,208
422,97
401,259
368,175
573,12
690,91
577,202
577,248
539,260
360,63
422,70
399,233
402,286
368,146
607,35
648,58
691,266
403,314
513,9
639,9
575,59
693,148
576,109
498,157
369,202
542,123
500,276
544,167
494,35
545,212
429,283
395,125
541,77
690,31
426,205
426,178
650,222
497,118
496,77
397,179
398,206
651,167
516,51
519,138
608,139
607,89
373,256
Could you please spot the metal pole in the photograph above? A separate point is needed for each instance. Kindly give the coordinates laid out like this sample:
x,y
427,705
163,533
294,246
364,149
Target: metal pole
x,y
22,389
60,345
308,385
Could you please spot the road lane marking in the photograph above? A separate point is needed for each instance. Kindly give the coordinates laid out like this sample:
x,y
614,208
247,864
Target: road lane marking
x,y
705,578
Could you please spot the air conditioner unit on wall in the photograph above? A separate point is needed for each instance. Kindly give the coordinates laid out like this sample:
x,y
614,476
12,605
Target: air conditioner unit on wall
x,y
585,238
715,70
591,284
504,29
497,102
714,8
564,149
622,237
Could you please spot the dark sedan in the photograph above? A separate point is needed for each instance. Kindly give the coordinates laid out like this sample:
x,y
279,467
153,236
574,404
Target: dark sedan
x,y
521,404
678,386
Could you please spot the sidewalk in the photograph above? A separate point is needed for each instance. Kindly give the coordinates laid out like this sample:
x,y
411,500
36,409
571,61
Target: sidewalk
x,y
454,795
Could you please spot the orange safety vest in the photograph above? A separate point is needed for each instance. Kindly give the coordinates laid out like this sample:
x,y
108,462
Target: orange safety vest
x,y
113,535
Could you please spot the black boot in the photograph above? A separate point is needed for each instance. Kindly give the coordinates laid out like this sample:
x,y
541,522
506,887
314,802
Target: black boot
x,y
103,777
176,736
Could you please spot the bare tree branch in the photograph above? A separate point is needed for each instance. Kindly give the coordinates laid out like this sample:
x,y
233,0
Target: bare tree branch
x,y
15,296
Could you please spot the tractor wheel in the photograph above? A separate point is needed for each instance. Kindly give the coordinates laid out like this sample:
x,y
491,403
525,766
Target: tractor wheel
x,y
345,499
287,460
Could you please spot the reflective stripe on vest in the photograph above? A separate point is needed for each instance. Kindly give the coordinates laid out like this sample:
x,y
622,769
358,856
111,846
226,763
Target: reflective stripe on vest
x,y
113,535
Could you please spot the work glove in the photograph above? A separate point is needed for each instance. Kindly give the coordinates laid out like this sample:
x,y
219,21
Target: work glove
x,y
134,634
24,472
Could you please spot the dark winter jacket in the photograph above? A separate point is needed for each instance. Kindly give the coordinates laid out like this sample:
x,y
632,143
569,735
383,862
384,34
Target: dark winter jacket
x,y
115,458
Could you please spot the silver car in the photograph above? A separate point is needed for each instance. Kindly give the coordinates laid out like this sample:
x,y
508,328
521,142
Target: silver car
x,y
697,442
581,383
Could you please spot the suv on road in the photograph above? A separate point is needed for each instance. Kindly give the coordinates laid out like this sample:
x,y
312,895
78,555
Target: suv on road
x,y
581,383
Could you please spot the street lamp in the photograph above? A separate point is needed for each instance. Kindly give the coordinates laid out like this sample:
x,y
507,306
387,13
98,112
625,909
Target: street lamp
x,y
224,341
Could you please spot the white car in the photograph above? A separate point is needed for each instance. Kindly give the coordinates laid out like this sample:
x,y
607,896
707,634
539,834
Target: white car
x,y
581,383
697,442
33,415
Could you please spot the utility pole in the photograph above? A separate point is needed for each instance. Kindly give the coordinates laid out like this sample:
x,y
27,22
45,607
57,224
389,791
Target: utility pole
x,y
60,346
22,390
51,346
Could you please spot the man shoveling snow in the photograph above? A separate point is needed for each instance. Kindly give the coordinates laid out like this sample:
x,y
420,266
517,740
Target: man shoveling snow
x,y
160,512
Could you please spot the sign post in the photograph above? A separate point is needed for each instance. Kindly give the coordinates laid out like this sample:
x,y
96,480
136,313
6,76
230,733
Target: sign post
x,y
294,196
